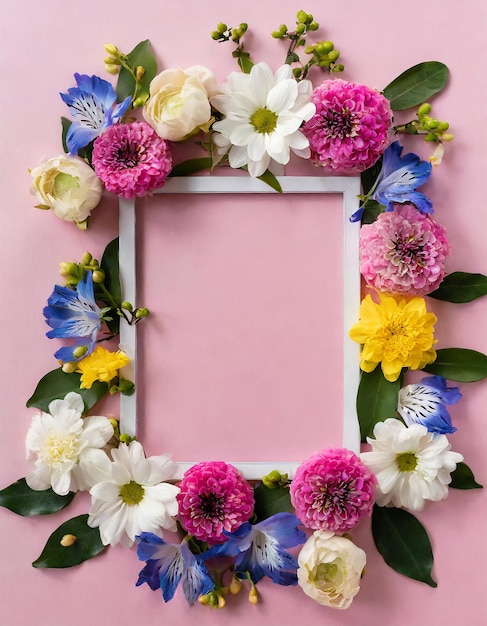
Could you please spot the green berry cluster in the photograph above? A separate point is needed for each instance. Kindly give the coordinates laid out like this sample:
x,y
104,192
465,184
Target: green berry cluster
x,y
73,272
435,129
323,53
224,33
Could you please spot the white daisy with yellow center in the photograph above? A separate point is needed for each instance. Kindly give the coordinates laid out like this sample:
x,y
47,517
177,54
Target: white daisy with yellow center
x,y
263,114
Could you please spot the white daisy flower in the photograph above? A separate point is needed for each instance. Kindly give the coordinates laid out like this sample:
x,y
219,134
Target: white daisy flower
x,y
411,464
131,497
64,443
263,113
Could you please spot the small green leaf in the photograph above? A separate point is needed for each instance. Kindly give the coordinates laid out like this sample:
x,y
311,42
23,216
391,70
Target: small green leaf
x,y
87,545
269,178
271,501
65,123
109,264
461,287
140,55
416,85
459,364
56,384
403,543
21,499
376,400
463,478
186,168
372,210
369,176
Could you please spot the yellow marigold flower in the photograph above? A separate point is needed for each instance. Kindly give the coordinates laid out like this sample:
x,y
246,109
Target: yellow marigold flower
x,y
101,365
396,333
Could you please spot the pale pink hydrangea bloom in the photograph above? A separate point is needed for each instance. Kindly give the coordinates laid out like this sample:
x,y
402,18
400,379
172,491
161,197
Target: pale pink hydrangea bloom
x,y
131,159
403,252
349,131
214,498
333,490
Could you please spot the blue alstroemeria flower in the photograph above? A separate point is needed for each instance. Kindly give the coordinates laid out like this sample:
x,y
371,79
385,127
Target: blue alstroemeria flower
x,y
259,549
91,105
167,564
398,181
74,314
425,403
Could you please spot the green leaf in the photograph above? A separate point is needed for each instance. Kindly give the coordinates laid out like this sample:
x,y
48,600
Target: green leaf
x,y
376,400
271,501
269,178
87,545
463,478
403,543
21,499
459,364
109,264
65,123
56,384
461,287
372,210
369,176
416,85
186,168
140,55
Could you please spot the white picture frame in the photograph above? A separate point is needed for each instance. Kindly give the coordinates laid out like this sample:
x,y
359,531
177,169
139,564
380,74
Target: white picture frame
x,y
349,188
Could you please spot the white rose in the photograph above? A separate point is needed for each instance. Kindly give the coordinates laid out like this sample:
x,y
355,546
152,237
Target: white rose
x,y
178,103
330,568
68,186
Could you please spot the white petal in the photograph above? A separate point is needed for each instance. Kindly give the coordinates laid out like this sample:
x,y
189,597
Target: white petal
x,y
277,148
257,168
238,156
97,431
261,82
256,147
242,134
283,96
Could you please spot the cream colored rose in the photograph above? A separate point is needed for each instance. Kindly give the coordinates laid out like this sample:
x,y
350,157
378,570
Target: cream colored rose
x,y
330,568
68,186
178,103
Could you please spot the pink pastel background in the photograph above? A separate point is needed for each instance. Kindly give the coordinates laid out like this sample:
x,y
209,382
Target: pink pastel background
x,y
224,289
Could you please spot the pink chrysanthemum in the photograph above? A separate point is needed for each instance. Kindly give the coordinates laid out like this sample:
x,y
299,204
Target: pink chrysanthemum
x,y
333,490
349,131
403,252
214,497
131,159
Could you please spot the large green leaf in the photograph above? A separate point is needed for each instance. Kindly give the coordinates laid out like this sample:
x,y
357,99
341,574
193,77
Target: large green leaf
x,y
416,85
21,499
372,210
140,55
186,168
369,176
463,478
376,400
461,287
87,545
403,543
271,501
56,384
459,364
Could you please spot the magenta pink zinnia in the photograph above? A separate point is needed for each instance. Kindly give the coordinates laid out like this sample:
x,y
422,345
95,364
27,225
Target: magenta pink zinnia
x,y
349,131
131,159
333,490
214,498
403,252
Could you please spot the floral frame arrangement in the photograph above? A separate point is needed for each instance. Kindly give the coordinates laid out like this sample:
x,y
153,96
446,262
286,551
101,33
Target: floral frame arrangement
x,y
295,530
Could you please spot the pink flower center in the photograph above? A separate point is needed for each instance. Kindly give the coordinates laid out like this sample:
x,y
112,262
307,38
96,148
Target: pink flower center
x,y
408,251
124,154
339,124
211,506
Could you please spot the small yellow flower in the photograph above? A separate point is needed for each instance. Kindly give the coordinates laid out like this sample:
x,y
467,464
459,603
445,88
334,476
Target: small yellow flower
x,y
101,365
396,333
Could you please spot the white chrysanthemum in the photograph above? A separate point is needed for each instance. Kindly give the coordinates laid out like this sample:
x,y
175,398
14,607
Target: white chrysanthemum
x,y
64,443
131,496
263,113
411,464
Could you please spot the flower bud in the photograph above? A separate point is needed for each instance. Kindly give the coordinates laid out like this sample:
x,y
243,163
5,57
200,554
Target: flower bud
x,y
253,596
68,540
214,35
326,46
443,126
67,268
313,26
80,351
140,101
302,17
235,585
86,258
221,27
143,312
424,109
333,55
111,49
221,601
300,28
447,137
206,598
126,306
69,368
98,276
139,73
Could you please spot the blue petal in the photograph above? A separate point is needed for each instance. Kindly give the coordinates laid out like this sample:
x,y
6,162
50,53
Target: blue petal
x,y
196,579
79,136
120,110
284,528
420,201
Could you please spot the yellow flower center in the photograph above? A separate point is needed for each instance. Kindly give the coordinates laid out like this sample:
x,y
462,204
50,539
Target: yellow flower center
x,y
59,447
397,335
264,121
326,572
132,493
406,461
63,183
